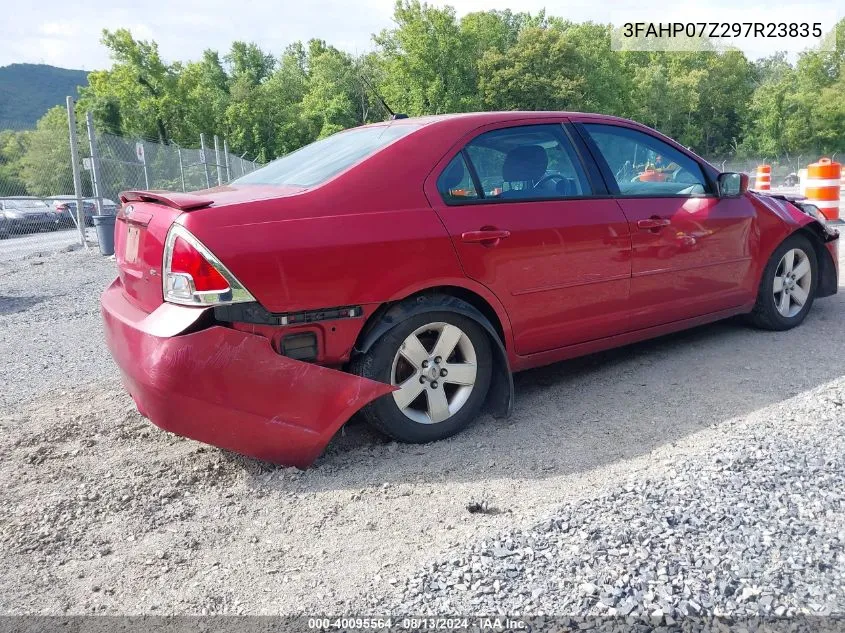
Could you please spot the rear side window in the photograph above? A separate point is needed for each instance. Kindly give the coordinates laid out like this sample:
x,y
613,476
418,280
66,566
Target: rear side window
x,y
455,183
643,165
319,161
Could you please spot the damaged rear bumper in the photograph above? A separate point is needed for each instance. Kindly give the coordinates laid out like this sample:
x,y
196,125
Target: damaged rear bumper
x,y
228,388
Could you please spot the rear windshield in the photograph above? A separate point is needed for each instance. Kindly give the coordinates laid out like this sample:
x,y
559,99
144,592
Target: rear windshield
x,y
317,162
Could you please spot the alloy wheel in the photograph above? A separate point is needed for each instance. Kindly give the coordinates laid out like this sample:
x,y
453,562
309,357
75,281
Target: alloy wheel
x,y
435,370
792,283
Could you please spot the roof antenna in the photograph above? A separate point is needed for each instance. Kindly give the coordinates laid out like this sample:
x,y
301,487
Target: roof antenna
x,y
393,115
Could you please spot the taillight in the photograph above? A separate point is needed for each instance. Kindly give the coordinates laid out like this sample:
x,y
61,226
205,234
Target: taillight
x,y
194,276
62,207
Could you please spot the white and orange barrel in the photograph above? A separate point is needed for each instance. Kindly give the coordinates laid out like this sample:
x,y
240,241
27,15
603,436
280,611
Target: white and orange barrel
x,y
823,182
763,179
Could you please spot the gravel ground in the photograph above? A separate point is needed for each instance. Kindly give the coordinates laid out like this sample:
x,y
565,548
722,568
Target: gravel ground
x,y
20,246
718,452
751,525
50,338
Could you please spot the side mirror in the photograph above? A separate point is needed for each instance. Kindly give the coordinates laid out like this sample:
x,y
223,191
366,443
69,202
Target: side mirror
x,y
731,184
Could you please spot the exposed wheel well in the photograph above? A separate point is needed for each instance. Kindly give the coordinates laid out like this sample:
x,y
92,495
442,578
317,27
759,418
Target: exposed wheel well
x,y
475,300
827,268
500,396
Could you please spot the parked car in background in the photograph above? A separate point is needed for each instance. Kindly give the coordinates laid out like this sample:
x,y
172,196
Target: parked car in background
x,y
28,214
109,206
792,180
66,206
408,268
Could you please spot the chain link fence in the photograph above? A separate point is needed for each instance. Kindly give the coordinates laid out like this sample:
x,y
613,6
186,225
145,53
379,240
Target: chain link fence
x,y
39,206
127,164
38,202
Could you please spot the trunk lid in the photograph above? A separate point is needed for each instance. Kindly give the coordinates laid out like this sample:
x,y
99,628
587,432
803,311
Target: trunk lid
x,y
141,230
139,234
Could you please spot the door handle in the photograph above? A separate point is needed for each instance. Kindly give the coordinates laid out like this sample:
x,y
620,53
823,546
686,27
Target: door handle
x,y
653,223
485,236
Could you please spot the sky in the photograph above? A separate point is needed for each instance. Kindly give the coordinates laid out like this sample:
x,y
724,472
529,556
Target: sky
x,y
66,33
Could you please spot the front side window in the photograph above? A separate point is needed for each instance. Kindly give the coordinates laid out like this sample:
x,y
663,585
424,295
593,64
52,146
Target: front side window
x,y
319,161
643,165
527,162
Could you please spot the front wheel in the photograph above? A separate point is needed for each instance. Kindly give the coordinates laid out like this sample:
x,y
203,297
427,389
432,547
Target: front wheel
x,y
441,363
788,286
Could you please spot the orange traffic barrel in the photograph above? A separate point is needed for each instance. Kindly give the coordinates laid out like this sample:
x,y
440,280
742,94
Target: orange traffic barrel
x,y
823,182
652,175
763,179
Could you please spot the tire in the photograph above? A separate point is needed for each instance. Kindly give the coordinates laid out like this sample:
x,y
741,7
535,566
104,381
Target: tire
x,y
421,419
769,312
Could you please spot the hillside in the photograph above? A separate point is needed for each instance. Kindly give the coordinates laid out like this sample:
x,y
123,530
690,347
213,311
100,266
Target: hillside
x,y
27,91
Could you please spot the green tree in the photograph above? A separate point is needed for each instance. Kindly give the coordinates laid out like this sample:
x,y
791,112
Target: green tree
x,y
428,67
431,62
13,146
45,164
541,71
203,89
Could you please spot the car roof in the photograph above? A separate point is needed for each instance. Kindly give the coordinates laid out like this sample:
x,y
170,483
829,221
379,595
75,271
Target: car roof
x,y
462,123
484,118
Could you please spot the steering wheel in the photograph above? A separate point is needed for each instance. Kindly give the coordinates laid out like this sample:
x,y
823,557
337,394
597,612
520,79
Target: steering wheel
x,y
548,177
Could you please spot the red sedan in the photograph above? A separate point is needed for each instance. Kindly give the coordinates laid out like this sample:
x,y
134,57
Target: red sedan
x,y
408,268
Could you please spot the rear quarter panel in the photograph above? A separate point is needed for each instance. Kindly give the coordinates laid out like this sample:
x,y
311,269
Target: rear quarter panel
x,y
332,260
366,236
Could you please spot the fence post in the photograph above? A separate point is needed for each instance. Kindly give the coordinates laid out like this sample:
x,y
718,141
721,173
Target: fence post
x,y
95,163
141,155
204,161
181,168
77,178
217,160
226,159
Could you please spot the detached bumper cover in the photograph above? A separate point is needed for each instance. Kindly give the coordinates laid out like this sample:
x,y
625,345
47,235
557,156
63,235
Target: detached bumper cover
x,y
228,388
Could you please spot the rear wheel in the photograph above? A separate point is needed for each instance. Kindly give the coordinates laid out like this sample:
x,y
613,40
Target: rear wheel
x,y
441,363
788,286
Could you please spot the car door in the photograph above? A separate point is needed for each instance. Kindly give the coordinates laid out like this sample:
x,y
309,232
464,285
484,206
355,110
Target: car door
x,y
526,222
692,251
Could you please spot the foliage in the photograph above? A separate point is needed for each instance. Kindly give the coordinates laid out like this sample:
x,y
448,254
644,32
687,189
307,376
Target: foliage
x,y
715,101
13,147
45,165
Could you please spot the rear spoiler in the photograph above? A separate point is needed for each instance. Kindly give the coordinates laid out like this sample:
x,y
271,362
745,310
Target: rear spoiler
x,y
176,200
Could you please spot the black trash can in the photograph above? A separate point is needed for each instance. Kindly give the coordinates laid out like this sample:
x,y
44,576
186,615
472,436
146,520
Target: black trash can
x,y
104,225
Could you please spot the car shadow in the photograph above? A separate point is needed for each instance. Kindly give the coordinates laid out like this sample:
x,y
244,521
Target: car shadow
x,y
12,305
581,414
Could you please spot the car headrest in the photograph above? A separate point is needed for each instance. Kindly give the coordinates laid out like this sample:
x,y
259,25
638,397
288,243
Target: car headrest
x,y
527,162
453,175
